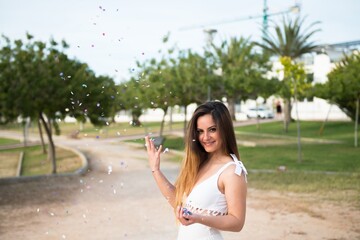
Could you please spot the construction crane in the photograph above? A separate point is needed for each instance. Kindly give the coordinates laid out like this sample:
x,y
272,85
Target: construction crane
x,y
265,16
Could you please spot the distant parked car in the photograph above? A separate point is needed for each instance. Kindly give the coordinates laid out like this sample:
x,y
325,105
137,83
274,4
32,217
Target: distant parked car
x,y
259,112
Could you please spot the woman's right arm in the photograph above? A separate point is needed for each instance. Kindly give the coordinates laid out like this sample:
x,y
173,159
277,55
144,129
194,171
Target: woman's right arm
x,y
166,187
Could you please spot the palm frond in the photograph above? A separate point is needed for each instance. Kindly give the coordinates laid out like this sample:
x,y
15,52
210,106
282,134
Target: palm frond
x,y
290,38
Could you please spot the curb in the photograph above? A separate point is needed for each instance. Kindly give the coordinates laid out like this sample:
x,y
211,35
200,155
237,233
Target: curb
x,y
84,161
19,166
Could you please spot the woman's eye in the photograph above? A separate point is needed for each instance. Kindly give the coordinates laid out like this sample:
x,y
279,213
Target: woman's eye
x,y
212,129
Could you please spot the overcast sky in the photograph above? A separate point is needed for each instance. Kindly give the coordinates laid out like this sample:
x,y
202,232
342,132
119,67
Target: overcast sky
x,y
111,35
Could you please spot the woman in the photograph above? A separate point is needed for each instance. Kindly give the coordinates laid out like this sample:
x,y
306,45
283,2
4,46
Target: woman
x,y
209,195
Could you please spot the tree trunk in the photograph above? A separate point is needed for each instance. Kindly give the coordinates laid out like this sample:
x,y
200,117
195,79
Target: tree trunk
x,y
257,117
135,119
171,119
50,126
287,114
24,134
41,136
356,122
163,122
51,144
325,121
185,113
26,130
231,106
298,126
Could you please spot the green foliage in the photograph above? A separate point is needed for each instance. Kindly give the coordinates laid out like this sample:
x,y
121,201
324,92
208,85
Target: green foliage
x,y
190,75
243,71
294,73
39,81
130,96
343,86
158,84
39,78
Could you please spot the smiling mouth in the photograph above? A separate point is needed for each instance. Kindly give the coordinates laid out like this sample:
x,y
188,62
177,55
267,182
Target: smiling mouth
x,y
208,143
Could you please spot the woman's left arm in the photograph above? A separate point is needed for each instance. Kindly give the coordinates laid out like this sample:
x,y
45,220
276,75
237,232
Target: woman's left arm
x,y
235,190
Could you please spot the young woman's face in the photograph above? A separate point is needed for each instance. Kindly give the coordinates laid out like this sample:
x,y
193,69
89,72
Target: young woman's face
x,y
208,133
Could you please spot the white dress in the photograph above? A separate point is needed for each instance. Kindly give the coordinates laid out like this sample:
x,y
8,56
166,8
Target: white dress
x,y
206,199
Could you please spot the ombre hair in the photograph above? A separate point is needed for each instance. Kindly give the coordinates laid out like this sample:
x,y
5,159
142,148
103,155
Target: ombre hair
x,y
195,154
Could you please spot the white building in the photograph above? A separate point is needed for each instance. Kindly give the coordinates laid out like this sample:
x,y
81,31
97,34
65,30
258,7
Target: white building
x,y
320,63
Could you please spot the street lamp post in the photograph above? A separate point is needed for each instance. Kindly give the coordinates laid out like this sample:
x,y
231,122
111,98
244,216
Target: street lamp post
x,y
209,33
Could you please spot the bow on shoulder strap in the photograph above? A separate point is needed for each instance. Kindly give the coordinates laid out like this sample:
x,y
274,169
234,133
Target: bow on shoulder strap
x,y
239,166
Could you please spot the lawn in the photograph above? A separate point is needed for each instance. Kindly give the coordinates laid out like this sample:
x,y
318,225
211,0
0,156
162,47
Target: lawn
x,y
339,131
8,163
8,141
36,163
330,163
107,131
272,148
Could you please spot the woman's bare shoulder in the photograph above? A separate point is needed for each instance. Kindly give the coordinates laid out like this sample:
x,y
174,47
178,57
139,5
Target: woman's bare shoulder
x,y
231,173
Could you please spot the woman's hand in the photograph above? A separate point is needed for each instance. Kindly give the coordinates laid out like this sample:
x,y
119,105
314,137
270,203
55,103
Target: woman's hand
x,y
153,154
184,218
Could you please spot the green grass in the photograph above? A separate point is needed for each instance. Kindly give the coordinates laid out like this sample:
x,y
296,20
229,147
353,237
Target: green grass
x,y
277,148
315,157
8,163
36,163
7,141
110,131
333,187
273,150
329,170
340,131
172,142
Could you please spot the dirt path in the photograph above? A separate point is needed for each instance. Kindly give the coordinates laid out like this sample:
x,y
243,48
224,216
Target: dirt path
x,y
117,199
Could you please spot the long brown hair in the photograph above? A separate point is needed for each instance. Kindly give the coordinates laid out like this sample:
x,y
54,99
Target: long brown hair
x,y
195,154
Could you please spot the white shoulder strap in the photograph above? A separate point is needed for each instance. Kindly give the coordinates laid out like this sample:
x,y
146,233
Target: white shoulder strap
x,y
224,167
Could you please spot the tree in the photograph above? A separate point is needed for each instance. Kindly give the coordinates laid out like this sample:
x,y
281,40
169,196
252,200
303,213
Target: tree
x,y
294,84
242,71
7,105
131,97
159,90
343,88
189,74
40,82
289,40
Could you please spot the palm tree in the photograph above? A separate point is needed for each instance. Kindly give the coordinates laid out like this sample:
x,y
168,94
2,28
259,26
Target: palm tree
x,y
289,40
